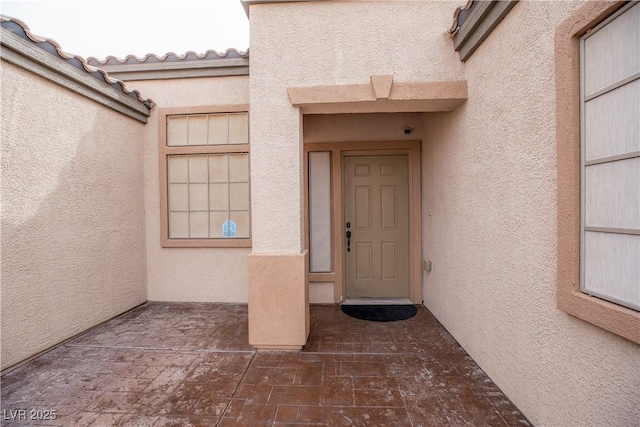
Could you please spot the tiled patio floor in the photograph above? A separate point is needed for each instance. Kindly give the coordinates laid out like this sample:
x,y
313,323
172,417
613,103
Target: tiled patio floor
x,y
172,364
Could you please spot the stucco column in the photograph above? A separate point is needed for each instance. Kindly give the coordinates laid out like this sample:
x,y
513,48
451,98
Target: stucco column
x,y
278,292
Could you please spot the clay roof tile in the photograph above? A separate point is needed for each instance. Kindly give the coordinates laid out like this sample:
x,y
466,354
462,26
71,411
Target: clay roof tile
x,y
460,15
168,57
20,29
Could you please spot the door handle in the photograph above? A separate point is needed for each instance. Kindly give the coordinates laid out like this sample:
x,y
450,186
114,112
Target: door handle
x,y
348,240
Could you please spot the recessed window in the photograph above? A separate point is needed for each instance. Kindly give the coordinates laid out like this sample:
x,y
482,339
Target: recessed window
x,y
320,250
206,200
597,67
610,159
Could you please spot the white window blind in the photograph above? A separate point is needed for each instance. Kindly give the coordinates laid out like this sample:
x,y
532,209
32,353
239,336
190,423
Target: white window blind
x,y
610,159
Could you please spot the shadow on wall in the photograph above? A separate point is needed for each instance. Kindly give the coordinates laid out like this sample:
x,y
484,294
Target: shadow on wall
x,y
72,238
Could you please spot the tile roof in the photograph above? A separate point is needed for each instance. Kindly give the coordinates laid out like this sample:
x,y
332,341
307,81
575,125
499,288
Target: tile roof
x,y
460,15
169,57
20,29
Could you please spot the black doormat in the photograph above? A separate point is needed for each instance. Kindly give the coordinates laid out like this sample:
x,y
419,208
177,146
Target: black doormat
x,y
380,313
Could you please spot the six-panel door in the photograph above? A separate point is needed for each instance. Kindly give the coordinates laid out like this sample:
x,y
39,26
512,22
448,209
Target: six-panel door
x,y
377,207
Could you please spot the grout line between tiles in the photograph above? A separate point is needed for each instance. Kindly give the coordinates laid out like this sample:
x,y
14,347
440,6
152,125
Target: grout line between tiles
x,y
404,403
442,409
160,349
235,390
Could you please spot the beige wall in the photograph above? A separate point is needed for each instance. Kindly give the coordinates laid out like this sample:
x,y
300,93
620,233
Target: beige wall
x,y
188,274
72,214
489,200
307,44
322,43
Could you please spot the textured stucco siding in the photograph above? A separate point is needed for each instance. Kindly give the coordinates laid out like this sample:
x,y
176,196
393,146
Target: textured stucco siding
x,y
73,241
326,43
188,274
489,201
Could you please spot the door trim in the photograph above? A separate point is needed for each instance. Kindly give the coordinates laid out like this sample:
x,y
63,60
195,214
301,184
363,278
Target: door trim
x,y
338,151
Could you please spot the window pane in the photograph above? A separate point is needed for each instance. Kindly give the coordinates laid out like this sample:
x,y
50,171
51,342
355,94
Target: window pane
x,y
199,225
217,220
238,128
197,130
611,124
239,196
612,266
218,129
198,169
241,221
178,169
219,197
177,130
198,197
178,197
218,168
178,225
238,168
320,211
611,54
613,194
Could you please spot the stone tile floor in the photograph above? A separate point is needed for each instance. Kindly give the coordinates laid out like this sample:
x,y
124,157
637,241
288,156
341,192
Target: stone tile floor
x,y
176,364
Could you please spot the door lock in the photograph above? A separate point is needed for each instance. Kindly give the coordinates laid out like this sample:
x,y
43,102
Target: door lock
x,y
348,240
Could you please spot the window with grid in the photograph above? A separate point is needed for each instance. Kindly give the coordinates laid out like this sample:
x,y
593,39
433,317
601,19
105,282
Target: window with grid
x,y
206,180
610,158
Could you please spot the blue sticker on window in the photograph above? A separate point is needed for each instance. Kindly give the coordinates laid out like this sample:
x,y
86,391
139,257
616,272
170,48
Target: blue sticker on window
x,y
229,229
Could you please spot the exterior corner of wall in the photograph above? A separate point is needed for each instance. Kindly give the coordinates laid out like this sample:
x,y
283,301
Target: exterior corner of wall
x,y
278,300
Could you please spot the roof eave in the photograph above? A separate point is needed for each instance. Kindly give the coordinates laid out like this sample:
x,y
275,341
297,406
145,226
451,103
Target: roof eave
x,y
24,55
45,58
177,70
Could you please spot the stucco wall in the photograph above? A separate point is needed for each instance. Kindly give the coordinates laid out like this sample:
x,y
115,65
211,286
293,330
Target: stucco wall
x,y
188,274
72,214
326,43
489,195
321,43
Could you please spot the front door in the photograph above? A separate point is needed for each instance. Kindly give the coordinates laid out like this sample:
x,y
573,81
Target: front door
x,y
376,209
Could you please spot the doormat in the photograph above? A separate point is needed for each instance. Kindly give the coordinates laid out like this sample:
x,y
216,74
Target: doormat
x,y
380,313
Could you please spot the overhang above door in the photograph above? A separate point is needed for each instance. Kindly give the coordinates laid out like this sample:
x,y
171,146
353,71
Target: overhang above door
x,y
380,95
